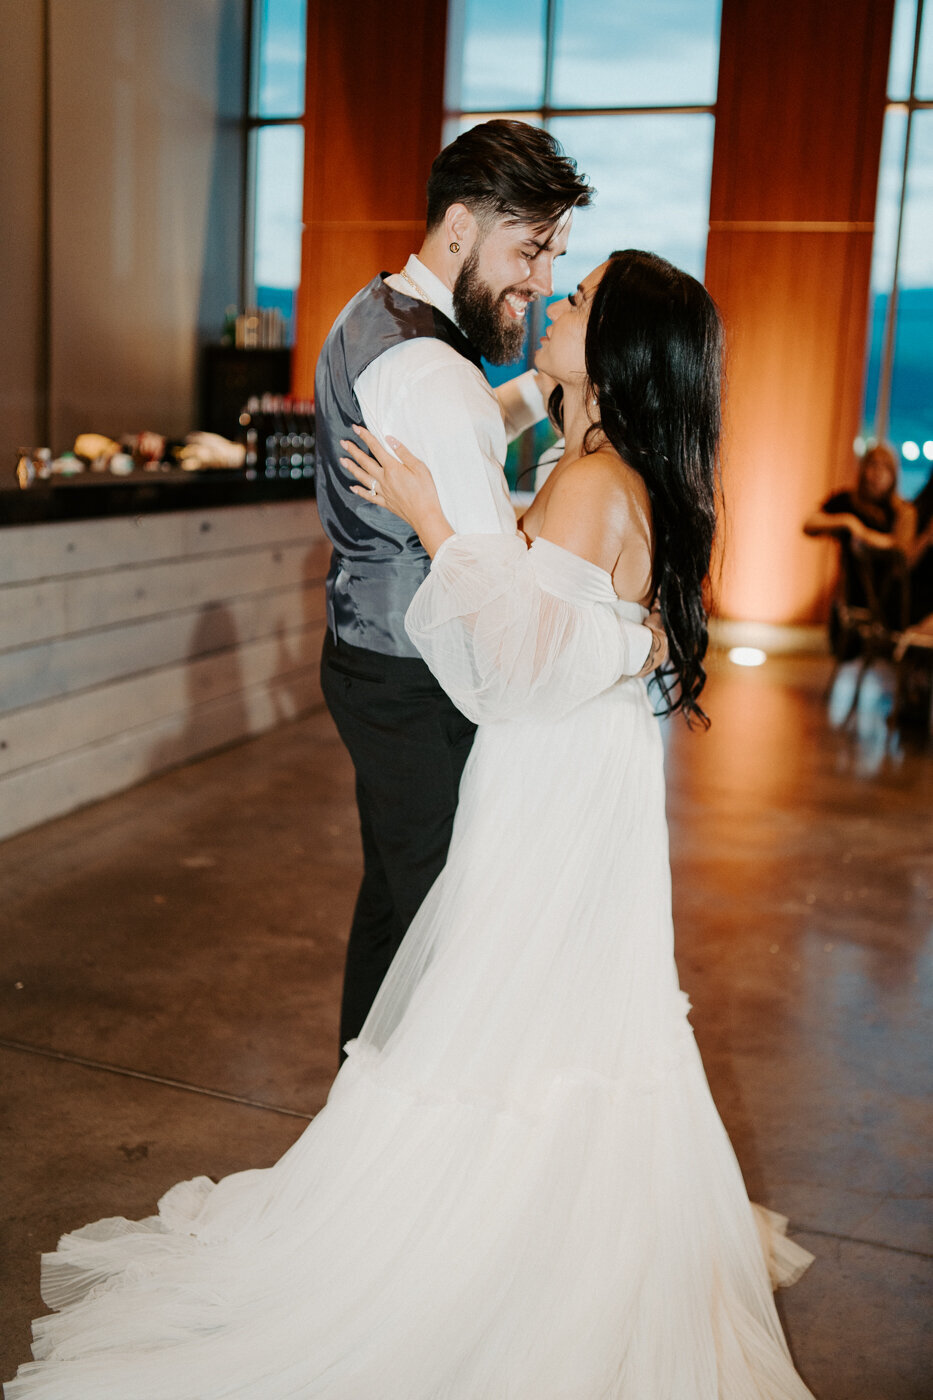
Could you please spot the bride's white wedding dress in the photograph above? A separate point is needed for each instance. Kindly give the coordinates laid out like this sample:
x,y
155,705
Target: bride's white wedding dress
x,y
520,1188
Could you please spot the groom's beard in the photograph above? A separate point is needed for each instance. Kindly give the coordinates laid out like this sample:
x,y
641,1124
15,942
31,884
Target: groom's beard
x,y
482,317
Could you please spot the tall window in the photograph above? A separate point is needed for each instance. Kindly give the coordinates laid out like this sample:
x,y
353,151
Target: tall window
x,y
899,382
627,88
275,155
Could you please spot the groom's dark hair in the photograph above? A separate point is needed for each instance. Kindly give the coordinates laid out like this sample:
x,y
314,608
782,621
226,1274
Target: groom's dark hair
x,y
506,169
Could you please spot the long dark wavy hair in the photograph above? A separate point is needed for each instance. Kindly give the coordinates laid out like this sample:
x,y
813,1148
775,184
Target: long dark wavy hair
x,y
654,349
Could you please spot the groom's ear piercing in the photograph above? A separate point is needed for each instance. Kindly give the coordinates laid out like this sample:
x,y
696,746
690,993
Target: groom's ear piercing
x,y
455,247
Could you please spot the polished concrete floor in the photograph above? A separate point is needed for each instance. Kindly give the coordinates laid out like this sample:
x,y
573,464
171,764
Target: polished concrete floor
x,y
171,963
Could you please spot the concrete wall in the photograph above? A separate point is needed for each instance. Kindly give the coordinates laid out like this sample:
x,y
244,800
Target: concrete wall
x,y
120,199
130,645
22,318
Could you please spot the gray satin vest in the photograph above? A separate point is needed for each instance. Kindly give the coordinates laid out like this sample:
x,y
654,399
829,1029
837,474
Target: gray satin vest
x,y
378,561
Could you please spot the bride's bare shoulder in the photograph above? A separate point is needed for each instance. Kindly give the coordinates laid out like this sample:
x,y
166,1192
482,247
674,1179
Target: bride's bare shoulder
x,y
595,509
601,479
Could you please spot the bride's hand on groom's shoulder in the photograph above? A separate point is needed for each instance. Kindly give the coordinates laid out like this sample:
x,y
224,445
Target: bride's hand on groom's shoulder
x,y
400,483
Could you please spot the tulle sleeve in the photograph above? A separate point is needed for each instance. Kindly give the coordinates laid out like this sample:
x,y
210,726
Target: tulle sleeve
x,y
510,631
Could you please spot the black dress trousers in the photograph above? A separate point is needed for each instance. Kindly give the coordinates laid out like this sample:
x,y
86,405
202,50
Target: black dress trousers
x,y
409,744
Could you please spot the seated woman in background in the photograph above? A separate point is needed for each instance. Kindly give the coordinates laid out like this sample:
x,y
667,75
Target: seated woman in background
x,y
875,527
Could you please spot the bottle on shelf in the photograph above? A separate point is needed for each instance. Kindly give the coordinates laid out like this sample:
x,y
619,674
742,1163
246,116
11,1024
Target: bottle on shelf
x,y
249,436
278,434
281,434
271,435
307,438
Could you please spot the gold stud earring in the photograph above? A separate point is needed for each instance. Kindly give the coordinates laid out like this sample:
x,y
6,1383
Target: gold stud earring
x,y
455,247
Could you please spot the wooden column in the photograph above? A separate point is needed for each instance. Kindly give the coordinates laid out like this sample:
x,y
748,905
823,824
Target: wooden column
x,y
795,171
372,128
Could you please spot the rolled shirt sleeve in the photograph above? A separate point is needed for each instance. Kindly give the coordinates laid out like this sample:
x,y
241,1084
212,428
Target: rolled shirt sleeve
x,y
521,403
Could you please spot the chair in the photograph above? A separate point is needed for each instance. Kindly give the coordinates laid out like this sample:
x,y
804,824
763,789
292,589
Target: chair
x,y
913,696
869,611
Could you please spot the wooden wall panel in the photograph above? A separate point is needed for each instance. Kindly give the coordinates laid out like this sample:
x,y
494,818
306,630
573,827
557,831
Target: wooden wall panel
x,y
29,797
375,80
347,256
31,612
800,109
31,675
144,699
75,547
792,403
795,166
117,663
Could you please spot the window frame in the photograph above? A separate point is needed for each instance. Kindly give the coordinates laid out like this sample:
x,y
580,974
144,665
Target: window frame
x,y
456,115
252,123
877,420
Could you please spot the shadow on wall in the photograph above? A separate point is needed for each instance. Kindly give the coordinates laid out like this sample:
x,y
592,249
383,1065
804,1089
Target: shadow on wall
x,y
294,686
215,708
251,667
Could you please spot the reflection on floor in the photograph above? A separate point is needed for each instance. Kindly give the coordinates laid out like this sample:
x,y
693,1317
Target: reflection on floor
x,y
172,957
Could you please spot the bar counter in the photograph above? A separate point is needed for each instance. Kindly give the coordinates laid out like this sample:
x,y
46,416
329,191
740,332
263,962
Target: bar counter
x,y
93,495
145,621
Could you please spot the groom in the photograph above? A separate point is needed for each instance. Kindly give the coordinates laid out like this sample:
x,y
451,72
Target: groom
x,y
404,358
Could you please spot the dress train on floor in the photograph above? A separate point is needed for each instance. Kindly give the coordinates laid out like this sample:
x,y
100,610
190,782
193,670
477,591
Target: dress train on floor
x,y
520,1188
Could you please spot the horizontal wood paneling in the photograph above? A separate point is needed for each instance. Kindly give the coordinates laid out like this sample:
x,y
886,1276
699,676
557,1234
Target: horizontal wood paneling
x,y
96,771
84,546
89,602
131,649
138,701
34,674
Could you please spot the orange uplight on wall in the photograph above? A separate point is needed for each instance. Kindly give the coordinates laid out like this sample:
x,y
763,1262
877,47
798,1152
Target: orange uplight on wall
x,y
795,169
799,116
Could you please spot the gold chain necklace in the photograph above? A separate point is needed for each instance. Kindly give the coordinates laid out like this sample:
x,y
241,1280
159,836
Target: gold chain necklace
x,y
420,290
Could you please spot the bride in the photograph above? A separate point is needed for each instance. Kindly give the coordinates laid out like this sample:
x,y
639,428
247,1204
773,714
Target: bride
x,y
519,1188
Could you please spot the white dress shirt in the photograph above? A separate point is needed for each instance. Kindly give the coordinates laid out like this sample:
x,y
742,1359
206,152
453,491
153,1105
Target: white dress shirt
x,y
441,406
